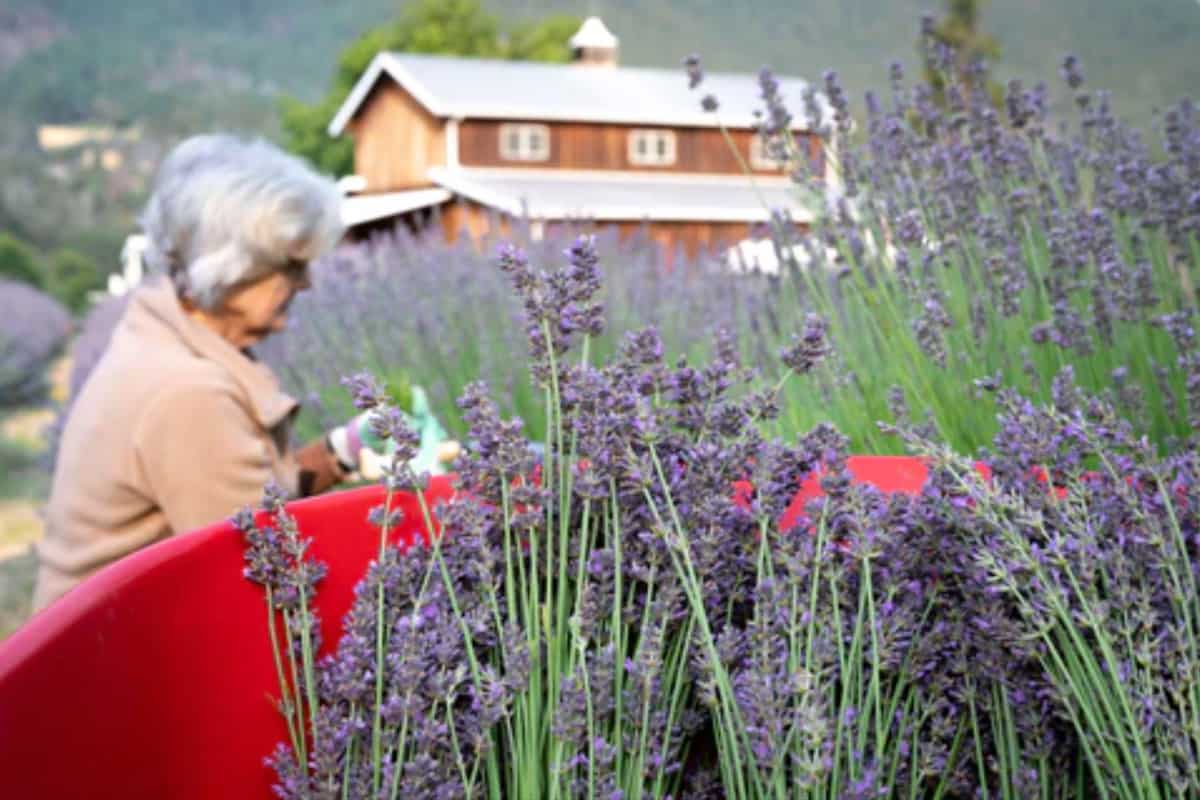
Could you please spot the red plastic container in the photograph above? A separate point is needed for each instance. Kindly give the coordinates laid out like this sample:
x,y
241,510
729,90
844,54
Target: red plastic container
x,y
154,678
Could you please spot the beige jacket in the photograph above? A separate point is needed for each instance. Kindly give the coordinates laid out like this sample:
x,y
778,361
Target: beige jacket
x,y
174,429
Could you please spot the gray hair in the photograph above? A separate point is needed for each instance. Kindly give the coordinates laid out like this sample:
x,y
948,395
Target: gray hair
x,y
225,211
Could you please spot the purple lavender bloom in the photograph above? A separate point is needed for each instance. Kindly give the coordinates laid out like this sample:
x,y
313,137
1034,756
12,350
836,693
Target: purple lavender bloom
x,y
365,390
947,595
1072,71
33,328
695,73
809,348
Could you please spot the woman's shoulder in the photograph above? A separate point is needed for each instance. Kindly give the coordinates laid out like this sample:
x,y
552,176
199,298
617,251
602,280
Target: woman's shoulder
x,y
195,384
133,385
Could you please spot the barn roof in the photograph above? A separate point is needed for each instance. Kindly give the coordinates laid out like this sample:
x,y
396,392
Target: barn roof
x,y
464,88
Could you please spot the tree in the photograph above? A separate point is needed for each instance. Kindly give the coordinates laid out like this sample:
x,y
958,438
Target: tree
x,y
960,31
18,262
542,41
446,27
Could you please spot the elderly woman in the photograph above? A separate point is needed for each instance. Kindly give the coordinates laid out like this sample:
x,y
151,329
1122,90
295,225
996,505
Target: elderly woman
x,y
179,426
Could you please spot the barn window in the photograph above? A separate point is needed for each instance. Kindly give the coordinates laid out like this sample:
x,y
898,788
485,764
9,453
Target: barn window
x,y
652,148
524,142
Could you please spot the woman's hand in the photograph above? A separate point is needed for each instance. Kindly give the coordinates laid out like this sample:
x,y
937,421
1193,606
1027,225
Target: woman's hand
x,y
360,452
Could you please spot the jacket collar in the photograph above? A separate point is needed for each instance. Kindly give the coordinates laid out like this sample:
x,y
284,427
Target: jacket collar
x,y
155,311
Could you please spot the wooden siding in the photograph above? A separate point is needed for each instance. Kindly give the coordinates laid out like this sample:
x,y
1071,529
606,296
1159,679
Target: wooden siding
x,y
473,220
396,140
575,145
693,238
459,219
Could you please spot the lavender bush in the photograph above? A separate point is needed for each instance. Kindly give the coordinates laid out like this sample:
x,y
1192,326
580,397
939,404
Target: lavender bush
x,y
627,617
967,247
971,247
628,624
545,653
33,328
1102,575
91,342
416,309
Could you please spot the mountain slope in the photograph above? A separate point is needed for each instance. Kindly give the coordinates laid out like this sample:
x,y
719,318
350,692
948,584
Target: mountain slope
x,y
175,67
118,57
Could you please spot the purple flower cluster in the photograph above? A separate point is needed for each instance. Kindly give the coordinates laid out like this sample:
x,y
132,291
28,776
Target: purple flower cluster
x,y
1084,543
623,615
33,327
564,583
616,618
363,314
558,307
968,224
88,346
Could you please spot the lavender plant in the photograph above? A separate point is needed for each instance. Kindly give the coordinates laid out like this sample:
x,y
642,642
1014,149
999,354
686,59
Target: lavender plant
x,y
616,619
963,247
92,340
33,328
963,244
418,310
84,353
1102,575
561,655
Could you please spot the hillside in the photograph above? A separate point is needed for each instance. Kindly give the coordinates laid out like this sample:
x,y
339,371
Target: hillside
x,y
82,59
178,66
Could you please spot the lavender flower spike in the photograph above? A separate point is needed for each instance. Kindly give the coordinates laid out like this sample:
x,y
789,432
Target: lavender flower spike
x,y
808,348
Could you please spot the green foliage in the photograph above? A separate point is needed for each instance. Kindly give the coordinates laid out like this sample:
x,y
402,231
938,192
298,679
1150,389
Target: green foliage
x,y
542,41
67,274
304,134
18,262
960,30
452,27
70,276
446,27
101,244
16,588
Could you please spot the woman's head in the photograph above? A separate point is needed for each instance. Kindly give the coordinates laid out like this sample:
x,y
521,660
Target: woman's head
x,y
234,223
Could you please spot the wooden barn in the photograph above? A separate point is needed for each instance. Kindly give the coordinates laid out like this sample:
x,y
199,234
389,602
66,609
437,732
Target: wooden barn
x,y
485,141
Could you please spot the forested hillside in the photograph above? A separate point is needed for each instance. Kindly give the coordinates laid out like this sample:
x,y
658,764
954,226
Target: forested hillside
x,y
116,58
172,67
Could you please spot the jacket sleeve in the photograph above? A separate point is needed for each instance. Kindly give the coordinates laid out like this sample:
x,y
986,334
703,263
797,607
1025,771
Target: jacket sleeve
x,y
202,455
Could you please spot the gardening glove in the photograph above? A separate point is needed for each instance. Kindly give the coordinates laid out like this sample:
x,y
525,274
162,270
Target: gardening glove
x,y
359,451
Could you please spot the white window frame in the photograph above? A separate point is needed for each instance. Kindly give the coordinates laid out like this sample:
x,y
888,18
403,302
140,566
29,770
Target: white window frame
x,y
649,155
527,134
759,158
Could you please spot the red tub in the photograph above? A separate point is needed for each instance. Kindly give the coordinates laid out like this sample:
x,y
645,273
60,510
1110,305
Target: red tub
x,y
154,678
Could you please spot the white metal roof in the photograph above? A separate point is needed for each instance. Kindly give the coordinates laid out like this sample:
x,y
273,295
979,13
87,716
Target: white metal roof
x,y
610,196
465,88
358,209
